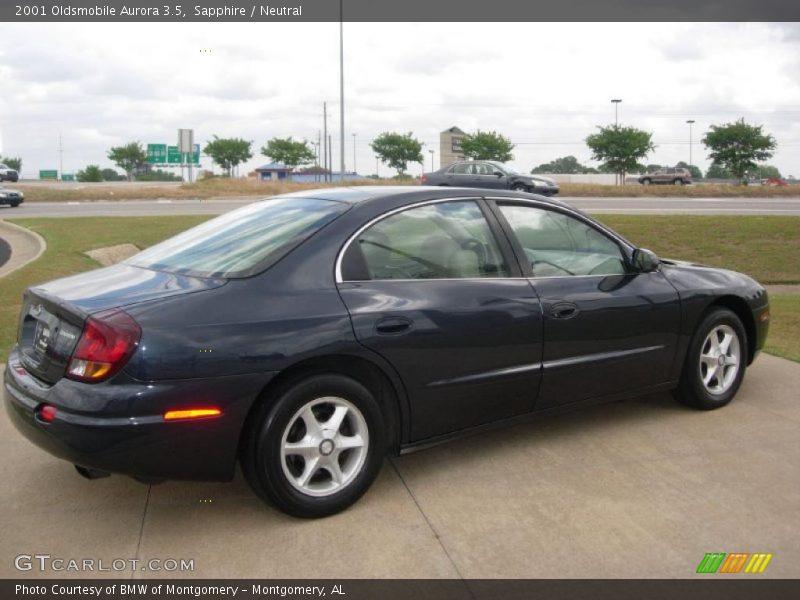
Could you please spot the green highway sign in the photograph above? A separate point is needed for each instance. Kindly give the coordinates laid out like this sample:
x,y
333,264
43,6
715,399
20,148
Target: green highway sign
x,y
162,154
48,174
157,154
67,177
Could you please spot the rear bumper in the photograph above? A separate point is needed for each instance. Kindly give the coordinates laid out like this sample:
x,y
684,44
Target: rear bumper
x,y
118,426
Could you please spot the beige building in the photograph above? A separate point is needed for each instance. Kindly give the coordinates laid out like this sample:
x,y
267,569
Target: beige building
x,y
450,146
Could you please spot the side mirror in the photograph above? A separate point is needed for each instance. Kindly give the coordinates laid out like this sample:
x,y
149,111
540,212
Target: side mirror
x,y
499,174
645,260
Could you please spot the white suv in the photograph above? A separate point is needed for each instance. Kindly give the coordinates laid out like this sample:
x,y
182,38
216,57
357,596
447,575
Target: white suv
x,y
7,173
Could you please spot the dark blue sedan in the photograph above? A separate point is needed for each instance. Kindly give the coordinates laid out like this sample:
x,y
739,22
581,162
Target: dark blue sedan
x,y
308,335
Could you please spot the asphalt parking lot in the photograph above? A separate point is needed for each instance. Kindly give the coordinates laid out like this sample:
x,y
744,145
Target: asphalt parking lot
x,y
636,489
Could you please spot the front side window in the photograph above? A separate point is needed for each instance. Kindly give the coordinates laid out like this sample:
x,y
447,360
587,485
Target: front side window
x,y
446,240
558,245
233,245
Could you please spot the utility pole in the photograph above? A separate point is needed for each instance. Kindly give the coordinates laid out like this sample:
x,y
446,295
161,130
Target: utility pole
x,y
690,122
378,167
60,158
330,157
341,83
431,151
325,138
354,154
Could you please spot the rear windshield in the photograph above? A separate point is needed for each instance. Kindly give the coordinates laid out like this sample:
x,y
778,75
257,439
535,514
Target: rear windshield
x,y
242,242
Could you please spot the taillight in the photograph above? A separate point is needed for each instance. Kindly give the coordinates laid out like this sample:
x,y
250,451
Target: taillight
x,y
424,179
107,342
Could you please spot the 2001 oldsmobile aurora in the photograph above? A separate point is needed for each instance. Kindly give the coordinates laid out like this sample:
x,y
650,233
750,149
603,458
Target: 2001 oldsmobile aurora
x,y
307,335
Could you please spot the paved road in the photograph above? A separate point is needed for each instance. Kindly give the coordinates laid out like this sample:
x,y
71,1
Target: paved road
x,y
708,206
634,489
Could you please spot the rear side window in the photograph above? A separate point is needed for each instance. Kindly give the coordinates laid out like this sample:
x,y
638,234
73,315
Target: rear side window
x,y
446,240
242,242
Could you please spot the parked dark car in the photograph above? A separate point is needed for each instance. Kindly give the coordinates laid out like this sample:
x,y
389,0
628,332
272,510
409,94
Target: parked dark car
x,y
490,175
11,198
308,335
672,176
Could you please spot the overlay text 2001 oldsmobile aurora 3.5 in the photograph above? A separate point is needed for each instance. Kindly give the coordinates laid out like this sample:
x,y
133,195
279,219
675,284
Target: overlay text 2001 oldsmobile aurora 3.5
x,y
309,335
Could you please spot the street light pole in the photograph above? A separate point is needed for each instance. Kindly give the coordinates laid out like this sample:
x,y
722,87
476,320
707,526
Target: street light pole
x,y
616,102
690,122
431,151
354,154
341,83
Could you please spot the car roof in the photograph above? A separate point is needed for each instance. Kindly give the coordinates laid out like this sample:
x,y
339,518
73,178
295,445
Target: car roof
x,y
399,195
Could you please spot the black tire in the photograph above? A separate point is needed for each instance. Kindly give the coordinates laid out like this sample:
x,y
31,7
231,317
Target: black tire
x,y
519,187
14,204
261,450
691,390
647,181
678,182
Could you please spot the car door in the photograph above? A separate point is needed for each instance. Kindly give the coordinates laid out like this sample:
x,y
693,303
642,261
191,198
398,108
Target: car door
x,y
608,330
488,178
462,175
434,289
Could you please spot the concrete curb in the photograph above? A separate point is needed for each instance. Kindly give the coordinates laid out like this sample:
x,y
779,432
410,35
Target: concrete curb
x,y
26,246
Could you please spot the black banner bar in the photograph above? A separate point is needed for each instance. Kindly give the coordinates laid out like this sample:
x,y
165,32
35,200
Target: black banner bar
x,y
708,588
402,10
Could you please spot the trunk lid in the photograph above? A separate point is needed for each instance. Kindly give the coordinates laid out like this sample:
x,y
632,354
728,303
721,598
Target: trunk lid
x,y
53,314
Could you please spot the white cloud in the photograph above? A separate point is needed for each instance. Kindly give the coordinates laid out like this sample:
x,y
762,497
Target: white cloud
x,y
545,85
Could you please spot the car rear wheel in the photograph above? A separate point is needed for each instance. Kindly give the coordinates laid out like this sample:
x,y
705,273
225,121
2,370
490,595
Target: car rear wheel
x,y
715,363
317,448
646,182
678,182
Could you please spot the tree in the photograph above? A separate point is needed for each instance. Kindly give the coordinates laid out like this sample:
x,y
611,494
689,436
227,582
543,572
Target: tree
x,y
12,163
487,145
764,171
695,171
288,152
397,150
715,171
90,173
620,148
228,152
111,175
566,165
737,146
129,157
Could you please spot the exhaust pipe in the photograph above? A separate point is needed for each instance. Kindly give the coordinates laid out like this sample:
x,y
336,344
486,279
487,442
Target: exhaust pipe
x,y
91,473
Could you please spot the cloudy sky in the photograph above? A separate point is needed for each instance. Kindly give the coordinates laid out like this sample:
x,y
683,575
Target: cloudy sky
x,y
546,86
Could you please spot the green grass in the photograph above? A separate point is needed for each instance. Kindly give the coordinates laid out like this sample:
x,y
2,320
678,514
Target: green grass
x,y
784,328
767,248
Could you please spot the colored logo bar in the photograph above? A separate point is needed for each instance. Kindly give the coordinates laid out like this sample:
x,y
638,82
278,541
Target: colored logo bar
x,y
721,562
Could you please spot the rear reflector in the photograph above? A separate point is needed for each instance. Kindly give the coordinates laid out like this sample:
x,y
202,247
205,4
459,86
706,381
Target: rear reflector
x,y
107,342
46,413
191,413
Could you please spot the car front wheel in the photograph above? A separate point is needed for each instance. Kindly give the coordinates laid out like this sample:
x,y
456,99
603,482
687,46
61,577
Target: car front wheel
x,y
715,362
519,187
646,182
678,182
317,448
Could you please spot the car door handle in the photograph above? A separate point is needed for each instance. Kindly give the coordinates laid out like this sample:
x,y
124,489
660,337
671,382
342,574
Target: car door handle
x,y
564,310
392,325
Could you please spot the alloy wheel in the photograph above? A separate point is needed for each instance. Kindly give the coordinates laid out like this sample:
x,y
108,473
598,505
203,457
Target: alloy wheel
x,y
324,446
720,359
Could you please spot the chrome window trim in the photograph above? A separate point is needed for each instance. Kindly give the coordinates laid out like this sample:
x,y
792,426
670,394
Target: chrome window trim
x,y
530,201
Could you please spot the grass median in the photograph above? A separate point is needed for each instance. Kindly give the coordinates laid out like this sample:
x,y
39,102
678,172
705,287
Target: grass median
x,y
767,248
